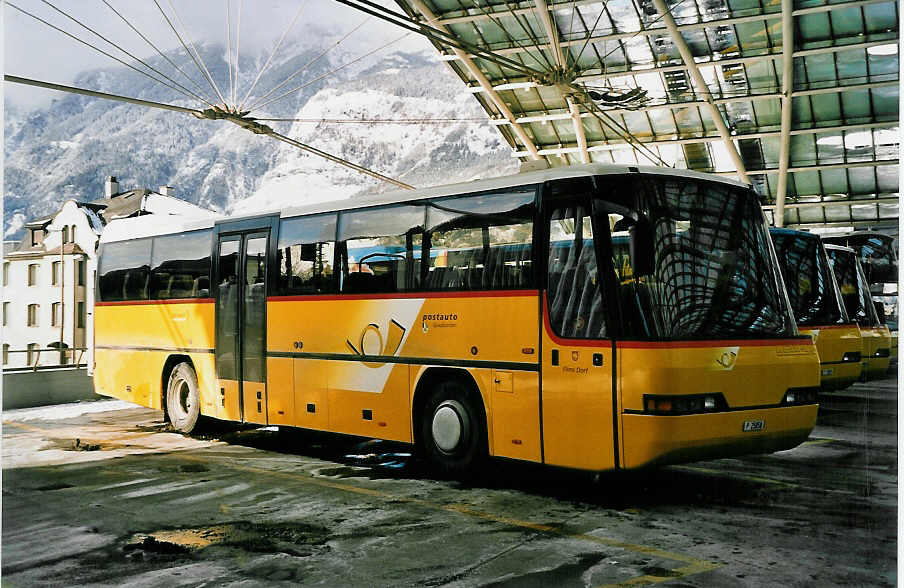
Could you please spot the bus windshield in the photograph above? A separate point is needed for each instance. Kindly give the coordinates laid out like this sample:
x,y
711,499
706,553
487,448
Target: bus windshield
x,y
711,272
853,286
808,278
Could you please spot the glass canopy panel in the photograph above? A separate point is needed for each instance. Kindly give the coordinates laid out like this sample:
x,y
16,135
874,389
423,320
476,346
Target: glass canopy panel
x,y
882,65
887,178
762,76
885,102
768,114
801,114
851,66
812,28
826,109
833,181
862,180
802,150
820,70
807,182
881,17
752,38
846,22
856,106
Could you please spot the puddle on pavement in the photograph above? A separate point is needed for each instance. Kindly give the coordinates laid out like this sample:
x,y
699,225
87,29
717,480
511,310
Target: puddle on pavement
x,y
293,538
79,445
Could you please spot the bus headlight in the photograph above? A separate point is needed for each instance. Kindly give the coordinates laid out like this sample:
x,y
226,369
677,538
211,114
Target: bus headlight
x,y
851,357
798,396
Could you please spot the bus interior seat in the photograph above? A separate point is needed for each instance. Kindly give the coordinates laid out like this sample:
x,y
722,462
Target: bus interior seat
x,y
358,283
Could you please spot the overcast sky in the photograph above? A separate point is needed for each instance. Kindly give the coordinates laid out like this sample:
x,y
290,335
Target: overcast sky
x,y
34,50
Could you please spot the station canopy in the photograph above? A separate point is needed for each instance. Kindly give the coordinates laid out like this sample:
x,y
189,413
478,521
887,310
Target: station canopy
x,y
695,84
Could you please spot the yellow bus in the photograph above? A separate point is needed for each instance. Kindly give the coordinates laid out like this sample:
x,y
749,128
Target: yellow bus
x,y
817,306
859,304
488,318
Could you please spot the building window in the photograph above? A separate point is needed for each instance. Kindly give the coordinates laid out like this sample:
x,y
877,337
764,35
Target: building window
x,y
33,315
65,234
80,272
6,273
72,234
80,315
5,313
33,274
37,237
5,353
55,277
55,314
33,354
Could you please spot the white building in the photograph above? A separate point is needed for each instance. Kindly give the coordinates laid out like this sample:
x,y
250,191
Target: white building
x,y
48,279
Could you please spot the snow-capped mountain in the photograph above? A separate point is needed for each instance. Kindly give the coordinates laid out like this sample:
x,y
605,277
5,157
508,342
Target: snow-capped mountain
x,y
66,150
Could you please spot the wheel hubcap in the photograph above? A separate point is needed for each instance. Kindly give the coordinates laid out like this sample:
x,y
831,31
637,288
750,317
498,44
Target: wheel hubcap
x,y
448,425
183,396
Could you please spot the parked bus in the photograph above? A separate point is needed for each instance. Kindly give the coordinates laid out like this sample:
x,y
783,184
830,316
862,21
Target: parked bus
x,y
859,305
817,306
444,318
878,257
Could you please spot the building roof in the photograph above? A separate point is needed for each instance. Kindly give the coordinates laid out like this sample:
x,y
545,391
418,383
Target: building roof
x,y
618,81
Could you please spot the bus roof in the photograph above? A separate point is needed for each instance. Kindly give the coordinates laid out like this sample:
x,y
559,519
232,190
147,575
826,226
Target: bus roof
x,y
150,225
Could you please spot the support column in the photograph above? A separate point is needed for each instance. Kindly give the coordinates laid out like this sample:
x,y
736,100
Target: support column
x,y
700,83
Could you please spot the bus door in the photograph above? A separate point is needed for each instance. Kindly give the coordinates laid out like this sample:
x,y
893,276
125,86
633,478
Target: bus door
x,y
577,358
241,278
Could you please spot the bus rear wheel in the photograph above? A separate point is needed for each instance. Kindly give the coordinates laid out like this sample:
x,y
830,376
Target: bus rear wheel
x,y
453,432
183,400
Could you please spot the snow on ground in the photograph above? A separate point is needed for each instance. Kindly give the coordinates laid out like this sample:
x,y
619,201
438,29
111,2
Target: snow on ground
x,y
60,412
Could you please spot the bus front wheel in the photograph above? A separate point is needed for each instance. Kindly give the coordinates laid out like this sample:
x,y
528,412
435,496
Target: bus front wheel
x,y
452,429
183,401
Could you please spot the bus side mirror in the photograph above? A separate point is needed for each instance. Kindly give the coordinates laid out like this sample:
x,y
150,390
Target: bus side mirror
x,y
640,245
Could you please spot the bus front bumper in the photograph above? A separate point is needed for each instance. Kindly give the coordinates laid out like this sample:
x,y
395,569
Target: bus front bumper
x,y
659,440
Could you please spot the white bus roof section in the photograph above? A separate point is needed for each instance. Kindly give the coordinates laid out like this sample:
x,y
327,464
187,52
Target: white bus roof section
x,y
150,225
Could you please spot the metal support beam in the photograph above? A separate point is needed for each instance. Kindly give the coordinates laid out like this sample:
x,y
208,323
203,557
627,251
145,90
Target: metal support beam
x,y
784,153
609,145
541,116
475,72
578,128
819,167
823,204
509,8
697,77
592,77
551,33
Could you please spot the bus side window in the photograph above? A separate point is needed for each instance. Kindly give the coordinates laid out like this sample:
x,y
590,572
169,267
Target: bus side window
x,y
306,247
381,249
124,270
481,241
180,266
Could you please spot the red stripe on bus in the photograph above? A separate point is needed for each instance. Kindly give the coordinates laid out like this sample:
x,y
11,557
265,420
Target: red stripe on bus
x,y
821,327
408,295
166,301
713,343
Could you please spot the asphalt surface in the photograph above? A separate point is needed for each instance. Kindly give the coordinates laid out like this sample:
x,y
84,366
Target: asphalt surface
x,y
113,497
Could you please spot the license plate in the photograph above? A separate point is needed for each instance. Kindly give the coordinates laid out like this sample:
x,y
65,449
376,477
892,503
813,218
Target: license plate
x,y
754,426
827,372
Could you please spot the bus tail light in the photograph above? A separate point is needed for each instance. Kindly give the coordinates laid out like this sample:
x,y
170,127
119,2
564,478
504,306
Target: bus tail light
x,y
882,352
681,405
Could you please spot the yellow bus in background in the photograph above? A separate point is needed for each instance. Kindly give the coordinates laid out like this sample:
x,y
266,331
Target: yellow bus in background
x,y
490,318
817,305
859,305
